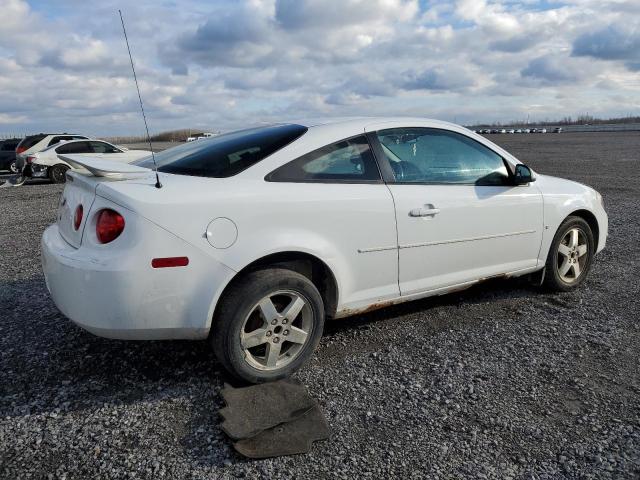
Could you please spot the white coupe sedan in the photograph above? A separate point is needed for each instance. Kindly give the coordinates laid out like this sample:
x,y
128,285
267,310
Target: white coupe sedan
x,y
255,237
47,163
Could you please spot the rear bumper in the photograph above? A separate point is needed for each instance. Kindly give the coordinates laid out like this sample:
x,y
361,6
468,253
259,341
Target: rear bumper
x,y
35,170
125,298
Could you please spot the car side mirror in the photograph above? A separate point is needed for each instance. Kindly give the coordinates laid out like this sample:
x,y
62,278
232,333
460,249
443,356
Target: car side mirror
x,y
523,175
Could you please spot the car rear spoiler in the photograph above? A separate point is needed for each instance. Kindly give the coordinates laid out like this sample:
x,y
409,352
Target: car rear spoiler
x,y
100,167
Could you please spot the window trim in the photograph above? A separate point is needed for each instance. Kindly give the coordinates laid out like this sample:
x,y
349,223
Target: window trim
x,y
390,177
380,180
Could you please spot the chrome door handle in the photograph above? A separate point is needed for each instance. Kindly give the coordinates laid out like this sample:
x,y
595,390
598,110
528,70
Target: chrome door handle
x,y
424,212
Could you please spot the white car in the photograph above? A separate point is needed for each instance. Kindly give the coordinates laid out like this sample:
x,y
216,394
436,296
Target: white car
x,y
47,163
255,237
36,143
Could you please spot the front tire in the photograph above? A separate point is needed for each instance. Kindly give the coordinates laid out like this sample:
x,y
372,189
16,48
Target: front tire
x,y
57,173
13,167
570,256
267,325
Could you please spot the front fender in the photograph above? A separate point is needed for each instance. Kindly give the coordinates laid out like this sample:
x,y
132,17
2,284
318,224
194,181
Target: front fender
x,y
563,198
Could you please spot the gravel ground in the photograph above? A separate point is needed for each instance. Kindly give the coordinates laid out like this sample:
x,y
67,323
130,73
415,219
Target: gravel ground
x,y
500,381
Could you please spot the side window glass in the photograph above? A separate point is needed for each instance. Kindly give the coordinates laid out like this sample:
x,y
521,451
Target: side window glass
x,y
54,140
102,147
426,155
74,147
346,161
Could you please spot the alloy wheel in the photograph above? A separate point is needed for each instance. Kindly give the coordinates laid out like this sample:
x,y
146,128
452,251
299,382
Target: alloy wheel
x,y
572,255
276,330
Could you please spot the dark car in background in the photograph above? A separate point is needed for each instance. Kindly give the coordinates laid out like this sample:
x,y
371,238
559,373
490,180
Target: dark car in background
x,y
8,154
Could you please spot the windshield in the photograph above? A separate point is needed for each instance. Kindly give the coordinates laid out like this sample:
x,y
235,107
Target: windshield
x,y
224,155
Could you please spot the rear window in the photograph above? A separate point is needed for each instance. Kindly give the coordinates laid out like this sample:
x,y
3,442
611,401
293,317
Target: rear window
x,y
225,155
30,141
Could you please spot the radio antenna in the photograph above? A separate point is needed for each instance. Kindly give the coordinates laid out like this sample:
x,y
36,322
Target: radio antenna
x,y
144,117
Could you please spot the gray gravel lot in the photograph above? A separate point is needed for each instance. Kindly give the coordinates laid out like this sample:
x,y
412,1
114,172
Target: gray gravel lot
x,y
500,381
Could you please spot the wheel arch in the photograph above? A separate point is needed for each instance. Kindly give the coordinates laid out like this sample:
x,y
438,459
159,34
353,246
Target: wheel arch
x,y
304,263
591,219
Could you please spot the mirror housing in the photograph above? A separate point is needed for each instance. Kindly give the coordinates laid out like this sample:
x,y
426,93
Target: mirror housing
x,y
523,175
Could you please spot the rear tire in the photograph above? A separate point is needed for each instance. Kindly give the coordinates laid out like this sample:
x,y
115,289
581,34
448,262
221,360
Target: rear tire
x,y
267,325
570,256
57,173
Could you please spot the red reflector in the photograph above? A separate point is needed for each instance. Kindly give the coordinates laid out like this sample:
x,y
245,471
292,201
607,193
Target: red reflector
x,y
109,225
77,218
170,262
30,158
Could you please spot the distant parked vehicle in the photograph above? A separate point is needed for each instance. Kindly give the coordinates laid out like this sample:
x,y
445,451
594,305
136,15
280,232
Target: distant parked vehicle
x,y
557,130
8,154
542,130
199,136
519,130
526,130
36,143
511,130
47,163
502,130
533,130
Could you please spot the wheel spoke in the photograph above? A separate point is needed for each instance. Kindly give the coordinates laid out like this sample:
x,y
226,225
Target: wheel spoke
x,y
255,338
582,249
573,242
564,268
293,310
576,270
564,250
268,309
273,352
296,335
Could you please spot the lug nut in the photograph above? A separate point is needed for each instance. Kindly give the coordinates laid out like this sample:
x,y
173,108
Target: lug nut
x,y
276,340
269,333
274,321
284,320
286,332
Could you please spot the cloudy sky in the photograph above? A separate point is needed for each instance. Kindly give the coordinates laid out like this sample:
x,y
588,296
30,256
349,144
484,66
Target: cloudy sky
x,y
217,64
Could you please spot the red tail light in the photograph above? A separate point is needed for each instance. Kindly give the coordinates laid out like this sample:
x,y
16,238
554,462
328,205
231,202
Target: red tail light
x,y
77,218
21,149
109,226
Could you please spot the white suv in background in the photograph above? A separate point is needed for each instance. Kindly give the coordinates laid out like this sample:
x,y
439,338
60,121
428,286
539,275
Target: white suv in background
x,y
36,143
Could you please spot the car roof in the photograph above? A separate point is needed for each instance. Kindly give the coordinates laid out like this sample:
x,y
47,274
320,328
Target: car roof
x,y
363,121
66,142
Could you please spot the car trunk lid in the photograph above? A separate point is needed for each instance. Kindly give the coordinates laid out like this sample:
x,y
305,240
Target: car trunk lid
x,y
80,192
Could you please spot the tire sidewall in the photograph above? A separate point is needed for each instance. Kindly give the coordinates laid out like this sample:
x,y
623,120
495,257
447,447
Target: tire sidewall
x,y
254,292
552,264
55,169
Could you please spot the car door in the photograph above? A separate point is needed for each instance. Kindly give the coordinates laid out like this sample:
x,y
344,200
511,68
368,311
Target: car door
x,y
459,216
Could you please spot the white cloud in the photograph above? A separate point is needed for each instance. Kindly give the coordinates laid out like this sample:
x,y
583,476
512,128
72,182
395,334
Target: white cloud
x,y
228,63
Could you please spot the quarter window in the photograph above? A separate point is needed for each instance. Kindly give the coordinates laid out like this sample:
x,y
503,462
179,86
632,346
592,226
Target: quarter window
x,y
348,161
427,155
